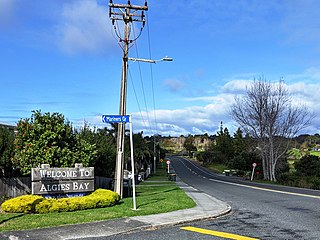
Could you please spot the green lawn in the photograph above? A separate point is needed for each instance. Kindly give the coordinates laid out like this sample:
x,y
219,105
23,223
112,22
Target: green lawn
x,y
158,197
316,153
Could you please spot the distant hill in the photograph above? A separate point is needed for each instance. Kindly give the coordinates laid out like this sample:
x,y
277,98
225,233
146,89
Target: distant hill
x,y
8,126
175,144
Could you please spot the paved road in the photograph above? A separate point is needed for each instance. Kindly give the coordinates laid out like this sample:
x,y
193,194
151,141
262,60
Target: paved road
x,y
259,211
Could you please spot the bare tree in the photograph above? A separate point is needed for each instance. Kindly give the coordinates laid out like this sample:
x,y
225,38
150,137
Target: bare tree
x,y
266,113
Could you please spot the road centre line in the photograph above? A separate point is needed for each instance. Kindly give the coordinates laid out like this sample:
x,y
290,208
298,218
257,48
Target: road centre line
x,y
217,234
252,187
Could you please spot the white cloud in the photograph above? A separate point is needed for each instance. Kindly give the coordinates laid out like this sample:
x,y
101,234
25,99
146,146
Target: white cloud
x,y
206,119
204,114
84,27
193,119
310,75
304,88
236,86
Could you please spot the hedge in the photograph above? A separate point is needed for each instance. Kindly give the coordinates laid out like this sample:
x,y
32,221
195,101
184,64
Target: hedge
x,y
36,204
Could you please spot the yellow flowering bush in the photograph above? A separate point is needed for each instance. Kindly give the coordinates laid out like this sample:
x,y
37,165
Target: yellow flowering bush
x,y
22,204
37,204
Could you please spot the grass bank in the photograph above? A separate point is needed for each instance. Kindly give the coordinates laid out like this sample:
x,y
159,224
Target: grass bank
x,y
155,195
217,167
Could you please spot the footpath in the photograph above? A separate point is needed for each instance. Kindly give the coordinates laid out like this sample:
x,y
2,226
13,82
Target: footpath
x,y
207,208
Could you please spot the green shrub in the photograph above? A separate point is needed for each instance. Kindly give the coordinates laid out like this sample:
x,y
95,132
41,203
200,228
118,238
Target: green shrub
x,y
308,165
22,204
36,204
295,180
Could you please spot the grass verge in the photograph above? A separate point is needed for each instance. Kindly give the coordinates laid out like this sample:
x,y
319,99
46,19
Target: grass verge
x,y
217,167
151,199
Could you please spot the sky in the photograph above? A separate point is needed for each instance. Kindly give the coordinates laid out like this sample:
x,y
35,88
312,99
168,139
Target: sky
x,y
64,56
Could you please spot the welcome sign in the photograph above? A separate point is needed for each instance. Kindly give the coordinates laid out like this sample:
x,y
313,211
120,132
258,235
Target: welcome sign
x,y
46,180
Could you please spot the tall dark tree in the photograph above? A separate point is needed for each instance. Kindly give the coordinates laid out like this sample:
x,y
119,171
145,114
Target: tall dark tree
x,y
6,150
223,143
142,152
239,143
105,161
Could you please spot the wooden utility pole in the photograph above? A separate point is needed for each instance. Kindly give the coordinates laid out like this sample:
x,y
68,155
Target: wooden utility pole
x,y
127,14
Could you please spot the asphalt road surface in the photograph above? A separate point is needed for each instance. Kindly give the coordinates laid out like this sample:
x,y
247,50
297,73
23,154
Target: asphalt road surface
x,y
259,211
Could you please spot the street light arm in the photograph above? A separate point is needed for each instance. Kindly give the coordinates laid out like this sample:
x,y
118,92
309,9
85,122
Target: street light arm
x,y
167,59
142,60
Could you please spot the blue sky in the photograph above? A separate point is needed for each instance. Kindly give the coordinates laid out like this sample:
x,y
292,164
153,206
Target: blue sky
x,y
62,56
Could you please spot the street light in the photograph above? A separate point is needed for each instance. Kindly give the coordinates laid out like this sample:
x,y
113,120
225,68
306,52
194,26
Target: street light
x,y
167,59
150,60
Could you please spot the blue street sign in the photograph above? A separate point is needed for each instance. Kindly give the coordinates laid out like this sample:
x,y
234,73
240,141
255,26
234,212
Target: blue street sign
x,y
115,118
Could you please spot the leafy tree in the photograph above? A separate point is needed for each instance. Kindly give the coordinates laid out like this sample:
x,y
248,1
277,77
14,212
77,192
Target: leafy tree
x,y
189,145
142,150
6,149
103,139
49,138
105,161
266,113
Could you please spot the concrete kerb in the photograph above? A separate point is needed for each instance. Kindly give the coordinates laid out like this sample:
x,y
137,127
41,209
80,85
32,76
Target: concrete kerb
x,y
207,207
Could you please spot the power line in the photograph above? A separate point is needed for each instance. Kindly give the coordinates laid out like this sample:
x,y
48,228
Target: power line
x,y
152,79
142,85
137,100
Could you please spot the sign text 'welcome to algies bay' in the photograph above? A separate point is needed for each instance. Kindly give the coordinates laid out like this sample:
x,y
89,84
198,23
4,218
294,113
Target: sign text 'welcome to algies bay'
x,y
47,180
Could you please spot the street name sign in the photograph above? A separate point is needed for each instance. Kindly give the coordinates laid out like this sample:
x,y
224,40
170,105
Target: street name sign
x,y
115,118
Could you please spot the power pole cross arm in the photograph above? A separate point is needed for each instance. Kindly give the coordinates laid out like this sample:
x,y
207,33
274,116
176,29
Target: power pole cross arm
x,y
127,16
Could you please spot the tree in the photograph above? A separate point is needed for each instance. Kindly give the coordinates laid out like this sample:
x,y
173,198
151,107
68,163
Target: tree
x,y
48,138
242,159
142,152
189,144
104,141
266,113
239,143
223,143
308,165
6,149
105,161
